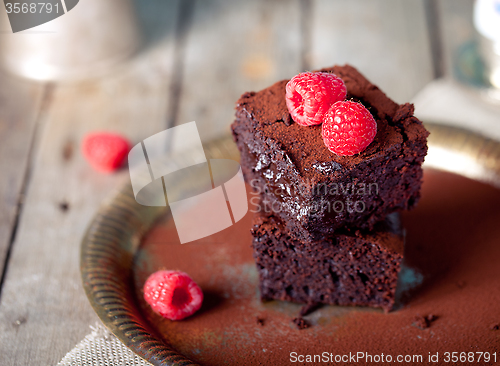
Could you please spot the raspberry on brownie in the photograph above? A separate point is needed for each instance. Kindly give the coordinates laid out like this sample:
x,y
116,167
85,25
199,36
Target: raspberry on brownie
x,y
309,95
314,191
348,128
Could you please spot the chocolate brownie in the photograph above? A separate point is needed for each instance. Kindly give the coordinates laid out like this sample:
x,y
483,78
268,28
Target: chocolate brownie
x,y
315,191
359,269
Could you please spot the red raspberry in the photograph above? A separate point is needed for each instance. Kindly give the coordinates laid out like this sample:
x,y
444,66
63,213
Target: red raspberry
x,y
172,294
348,128
105,151
309,95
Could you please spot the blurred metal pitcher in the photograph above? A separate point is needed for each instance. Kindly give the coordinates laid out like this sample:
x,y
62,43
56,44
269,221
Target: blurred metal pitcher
x,y
85,41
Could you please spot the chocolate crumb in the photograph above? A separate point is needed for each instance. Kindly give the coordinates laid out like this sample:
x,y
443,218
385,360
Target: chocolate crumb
x,y
431,318
309,308
424,322
248,94
64,206
461,284
420,322
287,119
301,323
495,326
259,321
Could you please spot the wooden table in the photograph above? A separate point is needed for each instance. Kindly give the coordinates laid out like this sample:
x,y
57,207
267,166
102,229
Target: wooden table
x,y
198,58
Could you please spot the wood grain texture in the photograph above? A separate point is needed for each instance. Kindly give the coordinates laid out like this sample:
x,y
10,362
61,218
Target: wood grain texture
x,y
234,47
387,40
44,312
19,109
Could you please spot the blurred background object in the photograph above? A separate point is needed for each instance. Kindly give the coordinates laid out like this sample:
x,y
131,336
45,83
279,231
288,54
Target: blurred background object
x,y
461,95
471,45
86,41
487,23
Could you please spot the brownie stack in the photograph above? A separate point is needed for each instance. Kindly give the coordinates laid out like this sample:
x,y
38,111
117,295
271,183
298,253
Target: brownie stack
x,y
325,227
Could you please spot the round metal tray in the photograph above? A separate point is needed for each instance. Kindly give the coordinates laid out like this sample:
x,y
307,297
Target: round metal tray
x,y
116,231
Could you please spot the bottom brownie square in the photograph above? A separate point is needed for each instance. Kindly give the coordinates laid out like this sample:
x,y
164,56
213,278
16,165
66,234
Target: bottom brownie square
x,y
354,269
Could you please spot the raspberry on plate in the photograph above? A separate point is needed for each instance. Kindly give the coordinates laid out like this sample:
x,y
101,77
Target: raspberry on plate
x,y
348,128
172,294
105,151
309,95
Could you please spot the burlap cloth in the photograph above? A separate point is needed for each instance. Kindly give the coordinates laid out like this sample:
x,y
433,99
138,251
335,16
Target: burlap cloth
x,y
101,348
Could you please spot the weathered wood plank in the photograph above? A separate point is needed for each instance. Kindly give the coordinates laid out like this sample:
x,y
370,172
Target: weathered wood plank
x,y
19,109
233,47
43,311
387,40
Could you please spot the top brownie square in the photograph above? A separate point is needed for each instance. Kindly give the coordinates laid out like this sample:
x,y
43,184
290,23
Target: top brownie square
x,y
315,191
